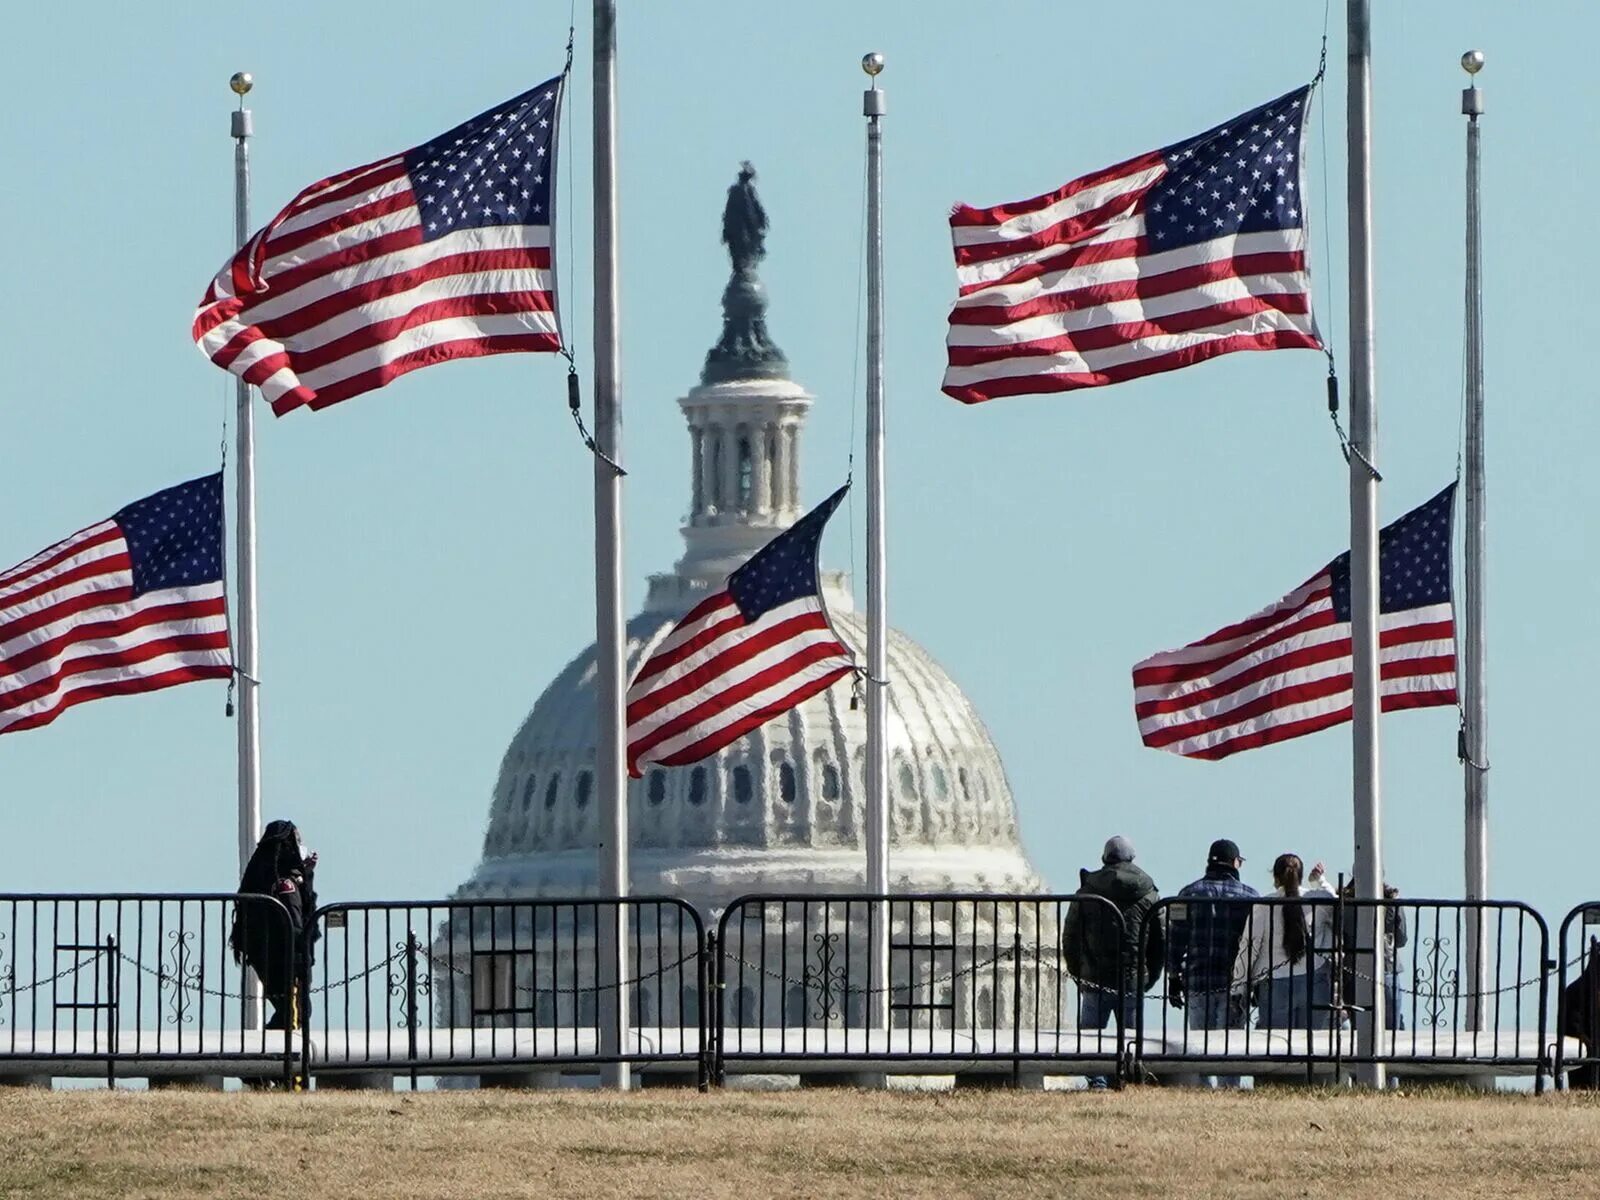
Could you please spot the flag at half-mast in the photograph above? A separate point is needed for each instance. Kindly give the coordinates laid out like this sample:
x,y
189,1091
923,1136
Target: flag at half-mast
x,y
1167,259
748,653
131,604
1288,671
439,253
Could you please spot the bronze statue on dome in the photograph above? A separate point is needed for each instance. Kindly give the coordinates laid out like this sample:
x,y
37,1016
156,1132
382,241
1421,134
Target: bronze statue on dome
x,y
744,222
745,350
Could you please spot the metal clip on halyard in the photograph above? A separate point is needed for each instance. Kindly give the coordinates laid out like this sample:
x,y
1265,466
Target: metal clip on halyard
x,y
1462,754
574,403
1333,415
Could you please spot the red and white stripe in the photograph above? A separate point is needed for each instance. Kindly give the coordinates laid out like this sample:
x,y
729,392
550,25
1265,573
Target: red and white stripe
x,y
715,677
340,293
72,630
1285,672
1067,290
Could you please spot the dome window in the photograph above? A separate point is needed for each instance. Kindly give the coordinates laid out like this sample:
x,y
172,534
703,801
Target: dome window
x,y
657,787
908,782
552,790
786,781
527,793
941,785
966,788
830,781
697,786
743,787
585,786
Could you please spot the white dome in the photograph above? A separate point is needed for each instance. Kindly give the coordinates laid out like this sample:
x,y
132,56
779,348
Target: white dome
x,y
781,809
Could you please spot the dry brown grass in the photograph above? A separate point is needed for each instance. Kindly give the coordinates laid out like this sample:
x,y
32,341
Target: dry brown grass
x,y
749,1146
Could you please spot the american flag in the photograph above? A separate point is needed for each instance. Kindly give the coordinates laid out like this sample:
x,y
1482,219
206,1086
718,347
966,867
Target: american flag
x,y
439,253
1287,670
132,604
1161,261
742,656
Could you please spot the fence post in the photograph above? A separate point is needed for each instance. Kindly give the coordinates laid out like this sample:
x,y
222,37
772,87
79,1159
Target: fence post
x,y
1016,1003
709,1031
111,1010
412,945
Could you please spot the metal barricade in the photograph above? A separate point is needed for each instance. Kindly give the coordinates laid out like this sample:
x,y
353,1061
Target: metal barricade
x,y
485,986
1256,998
1578,1000
141,984
975,981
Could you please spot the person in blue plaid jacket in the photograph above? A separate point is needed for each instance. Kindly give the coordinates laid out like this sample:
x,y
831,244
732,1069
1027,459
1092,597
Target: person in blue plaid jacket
x,y
1202,941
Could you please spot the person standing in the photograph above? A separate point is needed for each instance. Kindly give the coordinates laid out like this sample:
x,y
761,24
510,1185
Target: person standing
x,y
1113,970
1395,938
1202,942
282,868
1279,960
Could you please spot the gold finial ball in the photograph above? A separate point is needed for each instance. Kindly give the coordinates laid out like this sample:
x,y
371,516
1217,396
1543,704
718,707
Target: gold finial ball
x,y
1472,61
242,82
872,63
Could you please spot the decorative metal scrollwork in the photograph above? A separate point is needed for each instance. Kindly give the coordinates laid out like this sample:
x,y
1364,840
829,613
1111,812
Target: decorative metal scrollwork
x,y
825,976
1436,983
180,977
412,980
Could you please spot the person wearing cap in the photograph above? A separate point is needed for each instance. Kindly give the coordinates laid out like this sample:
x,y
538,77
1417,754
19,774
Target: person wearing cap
x,y
1202,942
1105,956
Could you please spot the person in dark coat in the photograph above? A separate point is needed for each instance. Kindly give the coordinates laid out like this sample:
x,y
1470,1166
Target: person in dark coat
x,y
1202,942
281,868
1106,959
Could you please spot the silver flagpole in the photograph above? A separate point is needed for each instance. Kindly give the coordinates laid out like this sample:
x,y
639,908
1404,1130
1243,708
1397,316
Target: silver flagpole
x,y
245,628
872,107
610,637
1368,802
1475,735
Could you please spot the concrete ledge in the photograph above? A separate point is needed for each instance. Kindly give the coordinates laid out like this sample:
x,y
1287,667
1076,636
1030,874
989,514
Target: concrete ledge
x,y
26,1081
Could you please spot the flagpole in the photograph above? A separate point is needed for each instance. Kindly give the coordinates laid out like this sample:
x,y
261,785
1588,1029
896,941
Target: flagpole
x,y
1368,803
245,628
610,635
877,831
1475,709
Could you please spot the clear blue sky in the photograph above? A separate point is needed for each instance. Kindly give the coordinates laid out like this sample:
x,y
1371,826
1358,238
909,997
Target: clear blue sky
x,y
426,552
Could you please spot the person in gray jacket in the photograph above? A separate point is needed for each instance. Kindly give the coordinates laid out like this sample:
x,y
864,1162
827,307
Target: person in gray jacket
x,y
1106,958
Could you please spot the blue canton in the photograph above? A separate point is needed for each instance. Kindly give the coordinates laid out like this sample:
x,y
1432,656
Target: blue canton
x,y
175,536
1413,561
496,169
1242,177
785,569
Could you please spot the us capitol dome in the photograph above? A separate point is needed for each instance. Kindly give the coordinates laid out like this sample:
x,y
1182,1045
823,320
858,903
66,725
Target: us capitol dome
x,y
784,807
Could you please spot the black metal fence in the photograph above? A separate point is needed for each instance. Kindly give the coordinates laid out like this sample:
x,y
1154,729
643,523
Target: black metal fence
x,y
504,984
148,984
1275,985
122,981
1577,1029
860,978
